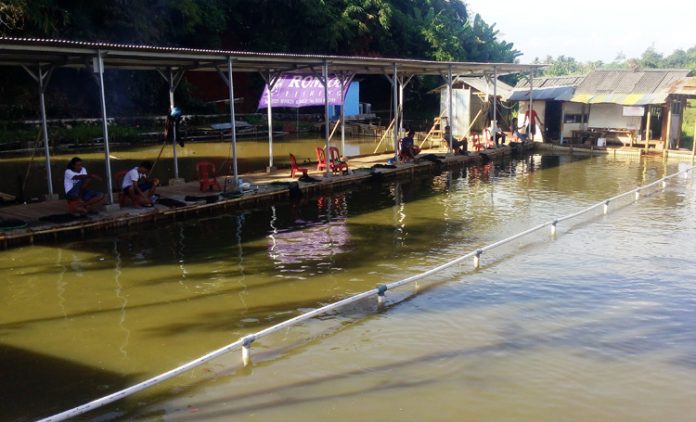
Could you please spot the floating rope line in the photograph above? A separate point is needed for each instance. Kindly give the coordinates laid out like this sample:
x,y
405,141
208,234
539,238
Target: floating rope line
x,y
245,342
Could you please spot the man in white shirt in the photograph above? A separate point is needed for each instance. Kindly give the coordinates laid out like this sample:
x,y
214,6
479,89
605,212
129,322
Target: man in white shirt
x,y
76,181
137,187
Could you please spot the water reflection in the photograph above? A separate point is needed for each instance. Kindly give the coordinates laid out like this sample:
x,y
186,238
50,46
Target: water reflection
x,y
123,348
61,283
239,221
309,241
191,286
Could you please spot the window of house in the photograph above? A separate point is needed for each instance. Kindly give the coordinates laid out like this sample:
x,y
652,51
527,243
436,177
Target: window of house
x,y
677,107
575,118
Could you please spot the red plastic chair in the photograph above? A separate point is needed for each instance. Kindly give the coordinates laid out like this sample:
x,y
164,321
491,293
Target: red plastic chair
x,y
206,176
476,139
335,162
321,159
490,143
293,167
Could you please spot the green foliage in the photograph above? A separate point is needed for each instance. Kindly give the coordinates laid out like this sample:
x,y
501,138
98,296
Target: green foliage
x,y
650,59
688,124
423,29
436,29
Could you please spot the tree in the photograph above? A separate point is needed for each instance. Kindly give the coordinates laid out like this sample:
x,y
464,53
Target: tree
x,y
423,29
10,17
651,59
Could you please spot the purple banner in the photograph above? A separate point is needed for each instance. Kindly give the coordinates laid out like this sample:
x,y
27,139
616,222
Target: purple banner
x,y
301,90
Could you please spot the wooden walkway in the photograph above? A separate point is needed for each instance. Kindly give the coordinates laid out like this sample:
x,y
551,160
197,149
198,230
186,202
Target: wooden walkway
x,y
267,188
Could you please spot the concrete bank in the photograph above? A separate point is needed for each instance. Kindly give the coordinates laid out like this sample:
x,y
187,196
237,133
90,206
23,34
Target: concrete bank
x,y
48,221
681,155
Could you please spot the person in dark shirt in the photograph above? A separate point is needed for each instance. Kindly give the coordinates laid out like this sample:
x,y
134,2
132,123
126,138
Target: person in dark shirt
x,y
408,149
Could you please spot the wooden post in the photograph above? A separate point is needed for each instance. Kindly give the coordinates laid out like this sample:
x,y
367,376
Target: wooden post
x,y
680,101
693,144
562,122
647,131
665,148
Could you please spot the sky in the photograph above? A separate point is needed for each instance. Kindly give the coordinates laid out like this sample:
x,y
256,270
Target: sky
x,y
591,29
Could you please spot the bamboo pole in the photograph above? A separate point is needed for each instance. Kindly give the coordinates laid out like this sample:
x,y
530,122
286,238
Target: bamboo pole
x,y
333,131
384,135
432,128
473,122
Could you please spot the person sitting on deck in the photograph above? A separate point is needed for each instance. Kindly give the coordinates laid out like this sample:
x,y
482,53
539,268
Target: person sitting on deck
x,y
407,148
137,187
76,182
517,136
499,137
458,147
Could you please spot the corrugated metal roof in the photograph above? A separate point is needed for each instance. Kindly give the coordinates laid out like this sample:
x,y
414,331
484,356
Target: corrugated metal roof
x,y
545,94
627,87
684,86
480,84
65,53
550,81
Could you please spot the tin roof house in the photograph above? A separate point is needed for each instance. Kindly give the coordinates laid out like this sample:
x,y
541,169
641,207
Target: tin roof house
x,y
547,94
623,106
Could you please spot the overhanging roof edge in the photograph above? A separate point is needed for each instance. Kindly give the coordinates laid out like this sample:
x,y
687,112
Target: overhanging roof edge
x,y
143,53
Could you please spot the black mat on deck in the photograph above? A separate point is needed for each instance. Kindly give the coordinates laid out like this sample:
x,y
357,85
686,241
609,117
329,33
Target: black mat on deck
x,y
12,224
171,203
208,199
61,218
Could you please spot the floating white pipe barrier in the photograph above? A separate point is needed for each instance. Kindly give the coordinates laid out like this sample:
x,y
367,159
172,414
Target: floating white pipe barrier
x,y
246,341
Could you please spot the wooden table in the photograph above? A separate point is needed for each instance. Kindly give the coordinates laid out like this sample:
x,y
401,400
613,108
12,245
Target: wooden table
x,y
581,135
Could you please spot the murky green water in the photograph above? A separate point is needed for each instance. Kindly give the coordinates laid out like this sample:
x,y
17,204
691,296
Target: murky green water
x,y
30,174
596,325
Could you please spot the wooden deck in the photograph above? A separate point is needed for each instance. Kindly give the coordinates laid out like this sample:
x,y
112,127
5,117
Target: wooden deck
x,y
681,155
267,188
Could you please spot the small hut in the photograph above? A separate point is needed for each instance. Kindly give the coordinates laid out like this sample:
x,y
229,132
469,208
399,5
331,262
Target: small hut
x,y
472,106
548,92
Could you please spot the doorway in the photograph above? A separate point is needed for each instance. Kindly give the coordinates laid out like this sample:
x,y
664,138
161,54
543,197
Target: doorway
x,y
552,120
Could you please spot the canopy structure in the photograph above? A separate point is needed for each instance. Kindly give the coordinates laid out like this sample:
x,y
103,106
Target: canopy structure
x,y
63,53
41,56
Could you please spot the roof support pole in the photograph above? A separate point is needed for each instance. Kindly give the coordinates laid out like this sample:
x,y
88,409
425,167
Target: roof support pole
x,y
230,86
43,77
403,82
105,126
668,141
494,123
395,106
327,123
172,88
647,129
43,83
271,80
400,122
449,108
530,111
344,92
269,118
